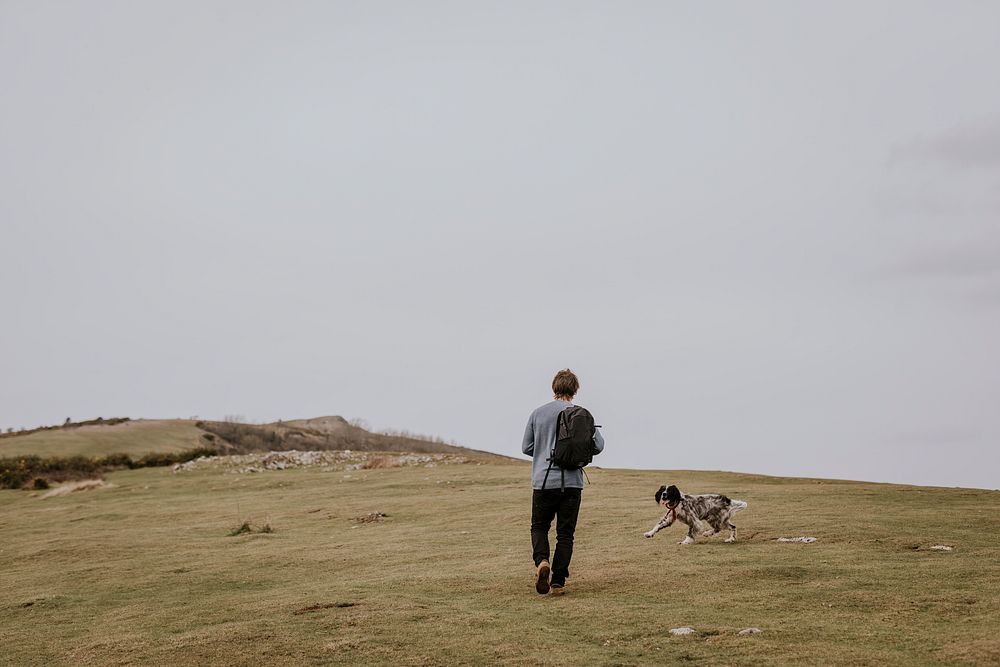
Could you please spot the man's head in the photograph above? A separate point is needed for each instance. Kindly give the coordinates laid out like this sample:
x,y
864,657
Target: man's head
x,y
565,384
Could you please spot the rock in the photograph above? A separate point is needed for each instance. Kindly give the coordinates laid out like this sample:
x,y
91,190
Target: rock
x,y
682,631
346,461
942,547
807,540
749,631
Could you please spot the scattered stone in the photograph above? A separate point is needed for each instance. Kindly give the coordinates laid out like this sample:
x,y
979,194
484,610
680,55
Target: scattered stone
x,y
682,631
373,517
942,547
807,540
749,631
343,460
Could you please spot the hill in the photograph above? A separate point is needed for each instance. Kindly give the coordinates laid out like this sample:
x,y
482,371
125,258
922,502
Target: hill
x,y
133,437
146,571
322,433
146,436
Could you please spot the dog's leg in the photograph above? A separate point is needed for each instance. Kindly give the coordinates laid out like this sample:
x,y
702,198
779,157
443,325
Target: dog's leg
x,y
694,528
661,524
737,506
732,532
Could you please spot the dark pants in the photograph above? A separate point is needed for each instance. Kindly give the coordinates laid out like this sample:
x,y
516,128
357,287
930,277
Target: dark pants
x,y
565,507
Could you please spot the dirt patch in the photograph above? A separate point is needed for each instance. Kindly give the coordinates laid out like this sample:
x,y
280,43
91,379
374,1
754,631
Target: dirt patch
x,y
320,607
73,487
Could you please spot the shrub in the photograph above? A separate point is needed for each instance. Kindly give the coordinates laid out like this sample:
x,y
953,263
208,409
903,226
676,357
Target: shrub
x,y
244,438
243,528
248,528
116,461
17,471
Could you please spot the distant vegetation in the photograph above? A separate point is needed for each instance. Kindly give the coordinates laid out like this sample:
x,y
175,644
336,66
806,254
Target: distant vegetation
x,y
325,433
20,471
236,438
11,433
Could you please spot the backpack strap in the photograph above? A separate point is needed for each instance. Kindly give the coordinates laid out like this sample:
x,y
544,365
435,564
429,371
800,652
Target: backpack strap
x,y
547,471
552,453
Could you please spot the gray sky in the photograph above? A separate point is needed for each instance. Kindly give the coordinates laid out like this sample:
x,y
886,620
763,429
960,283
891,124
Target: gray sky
x,y
766,235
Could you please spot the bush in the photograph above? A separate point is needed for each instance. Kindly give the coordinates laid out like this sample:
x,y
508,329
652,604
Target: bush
x,y
16,472
244,438
116,461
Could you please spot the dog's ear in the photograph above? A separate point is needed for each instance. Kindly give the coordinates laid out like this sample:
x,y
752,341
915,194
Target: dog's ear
x,y
673,494
659,494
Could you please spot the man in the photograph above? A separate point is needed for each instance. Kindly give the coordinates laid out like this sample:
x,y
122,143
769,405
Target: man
x,y
555,492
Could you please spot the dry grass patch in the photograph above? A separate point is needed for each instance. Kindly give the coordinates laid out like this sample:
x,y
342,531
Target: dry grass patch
x,y
376,462
73,487
320,607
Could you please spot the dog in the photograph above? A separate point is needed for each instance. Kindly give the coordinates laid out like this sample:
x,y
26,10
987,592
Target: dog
x,y
697,511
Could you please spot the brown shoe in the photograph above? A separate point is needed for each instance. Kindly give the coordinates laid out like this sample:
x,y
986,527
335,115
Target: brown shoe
x,y
558,589
542,582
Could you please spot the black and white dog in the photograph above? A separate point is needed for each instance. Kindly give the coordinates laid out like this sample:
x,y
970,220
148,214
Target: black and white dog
x,y
697,511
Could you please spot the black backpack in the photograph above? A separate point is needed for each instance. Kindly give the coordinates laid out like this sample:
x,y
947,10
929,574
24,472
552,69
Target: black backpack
x,y
574,446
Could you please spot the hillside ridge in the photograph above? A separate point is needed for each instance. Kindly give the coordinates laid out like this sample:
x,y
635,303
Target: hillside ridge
x,y
123,435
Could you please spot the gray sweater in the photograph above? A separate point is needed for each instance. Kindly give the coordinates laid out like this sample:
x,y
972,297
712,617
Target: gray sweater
x,y
540,438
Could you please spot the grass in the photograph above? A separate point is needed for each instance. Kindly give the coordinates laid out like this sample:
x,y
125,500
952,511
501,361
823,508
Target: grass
x,y
135,438
145,572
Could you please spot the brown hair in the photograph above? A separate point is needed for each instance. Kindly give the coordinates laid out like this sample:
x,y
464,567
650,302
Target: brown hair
x,y
565,383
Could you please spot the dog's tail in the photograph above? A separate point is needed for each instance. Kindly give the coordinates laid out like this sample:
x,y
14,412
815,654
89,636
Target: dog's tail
x,y
738,505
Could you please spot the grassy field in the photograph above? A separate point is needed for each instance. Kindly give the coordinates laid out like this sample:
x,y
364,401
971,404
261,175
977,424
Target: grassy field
x,y
145,572
135,438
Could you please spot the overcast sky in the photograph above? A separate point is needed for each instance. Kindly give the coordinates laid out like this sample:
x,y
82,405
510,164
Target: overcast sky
x,y
765,235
